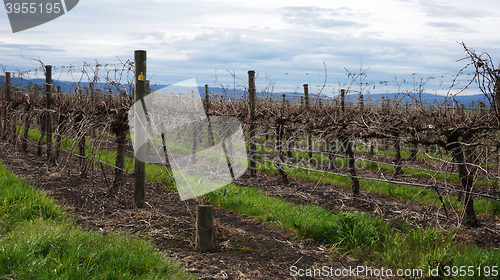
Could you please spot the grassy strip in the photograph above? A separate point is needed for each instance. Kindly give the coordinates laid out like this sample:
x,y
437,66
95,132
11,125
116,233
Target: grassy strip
x,y
365,237
39,241
323,160
414,194
157,173
362,236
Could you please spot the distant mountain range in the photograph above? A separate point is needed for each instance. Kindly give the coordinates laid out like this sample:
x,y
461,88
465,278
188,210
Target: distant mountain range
x,y
427,99
229,93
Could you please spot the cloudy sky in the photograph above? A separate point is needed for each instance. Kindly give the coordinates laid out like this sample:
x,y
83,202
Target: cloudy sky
x,y
288,43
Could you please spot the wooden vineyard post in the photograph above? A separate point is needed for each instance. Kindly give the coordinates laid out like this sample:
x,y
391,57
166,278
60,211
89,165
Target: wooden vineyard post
x,y
342,100
139,166
7,86
309,140
496,89
251,101
306,95
204,228
6,111
361,103
207,109
48,103
206,98
195,142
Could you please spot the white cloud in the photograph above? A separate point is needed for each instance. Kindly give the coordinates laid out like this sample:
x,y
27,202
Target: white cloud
x,y
435,9
320,18
187,39
450,26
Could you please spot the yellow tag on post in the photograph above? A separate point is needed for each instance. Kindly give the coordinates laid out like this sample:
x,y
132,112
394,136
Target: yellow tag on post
x,y
141,77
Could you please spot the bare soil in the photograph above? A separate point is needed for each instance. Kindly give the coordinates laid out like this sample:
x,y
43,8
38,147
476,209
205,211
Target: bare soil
x,y
244,248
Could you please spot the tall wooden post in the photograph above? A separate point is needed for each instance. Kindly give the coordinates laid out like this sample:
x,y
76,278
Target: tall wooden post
x,y
497,103
496,89
251,101
210,137
306,95
7,98
342,100
7,86
204,228
139,166
48,101
362,102
309,140
206,98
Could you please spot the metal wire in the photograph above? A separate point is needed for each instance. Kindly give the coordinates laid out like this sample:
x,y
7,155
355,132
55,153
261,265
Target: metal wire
x,y
303,168
80,156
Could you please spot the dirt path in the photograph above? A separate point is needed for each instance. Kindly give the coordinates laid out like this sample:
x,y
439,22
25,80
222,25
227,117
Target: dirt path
x,y
244,248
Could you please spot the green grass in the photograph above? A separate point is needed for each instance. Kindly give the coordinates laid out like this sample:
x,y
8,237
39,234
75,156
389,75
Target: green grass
x,y
414,194
324,160
39,241
347,230
20,202
157,173
364,237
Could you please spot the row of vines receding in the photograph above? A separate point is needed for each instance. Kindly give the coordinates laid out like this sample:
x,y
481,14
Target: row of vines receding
x,y
314,135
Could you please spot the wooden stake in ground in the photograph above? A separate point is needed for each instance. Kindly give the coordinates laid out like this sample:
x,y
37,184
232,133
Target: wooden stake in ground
x,y
7,86
6,111
342,100
309,137
251,101
204,228
48,97
139,166
207,108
